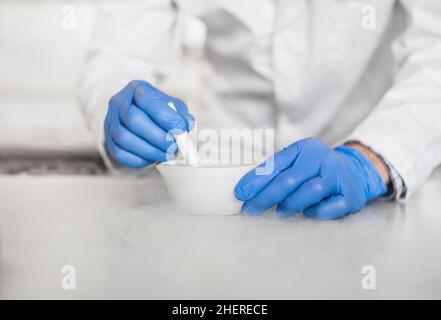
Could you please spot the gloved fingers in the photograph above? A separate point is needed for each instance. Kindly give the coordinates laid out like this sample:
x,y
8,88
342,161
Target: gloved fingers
x,y
279,188
135,145
182,109
139,123
332,208
155,104
308,194
123,157
257,179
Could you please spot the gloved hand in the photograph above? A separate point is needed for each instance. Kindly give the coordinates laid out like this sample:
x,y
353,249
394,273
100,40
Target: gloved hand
x,y
137,123
310,177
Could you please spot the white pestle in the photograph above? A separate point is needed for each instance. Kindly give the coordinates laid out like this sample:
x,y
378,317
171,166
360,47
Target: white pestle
x,y
185,145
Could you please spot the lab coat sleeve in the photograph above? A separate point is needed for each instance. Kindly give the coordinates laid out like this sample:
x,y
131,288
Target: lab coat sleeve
x,y
405,127
131,41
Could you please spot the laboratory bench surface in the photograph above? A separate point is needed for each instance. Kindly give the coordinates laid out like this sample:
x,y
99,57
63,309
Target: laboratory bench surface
x,y
124,239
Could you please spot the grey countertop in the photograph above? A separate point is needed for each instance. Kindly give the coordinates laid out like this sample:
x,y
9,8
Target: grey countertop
x,y
125,240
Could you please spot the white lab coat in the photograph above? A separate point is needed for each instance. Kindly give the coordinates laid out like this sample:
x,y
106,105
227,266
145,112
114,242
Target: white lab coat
x,y
302,67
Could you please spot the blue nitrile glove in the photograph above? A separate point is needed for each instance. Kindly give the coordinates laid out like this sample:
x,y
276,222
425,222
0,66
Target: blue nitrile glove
x,y
137,123
308,176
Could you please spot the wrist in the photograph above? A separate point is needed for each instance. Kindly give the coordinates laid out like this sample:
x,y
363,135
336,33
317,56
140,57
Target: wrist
x,y
372,182
376,160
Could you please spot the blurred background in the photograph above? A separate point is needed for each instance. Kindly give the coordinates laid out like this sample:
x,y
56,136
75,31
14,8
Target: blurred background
x,y
40,62
42,48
